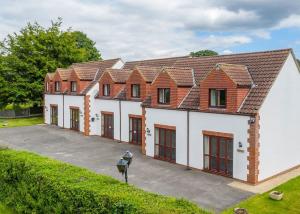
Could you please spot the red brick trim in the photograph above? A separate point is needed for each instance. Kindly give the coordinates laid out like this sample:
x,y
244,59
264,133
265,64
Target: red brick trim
x,y
135,116
87,115
107,112
217,134
253,151
164,126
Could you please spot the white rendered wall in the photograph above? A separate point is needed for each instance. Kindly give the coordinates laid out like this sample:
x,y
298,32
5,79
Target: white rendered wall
x,y
74,101
280,122
51,99
237,125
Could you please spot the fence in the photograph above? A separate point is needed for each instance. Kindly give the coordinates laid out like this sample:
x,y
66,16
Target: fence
x,y
21,113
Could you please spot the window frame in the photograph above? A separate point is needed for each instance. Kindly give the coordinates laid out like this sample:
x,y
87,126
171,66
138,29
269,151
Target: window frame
x,y
168,145
106,93
72,84
138,91
165,102
218,105
47,86
57,86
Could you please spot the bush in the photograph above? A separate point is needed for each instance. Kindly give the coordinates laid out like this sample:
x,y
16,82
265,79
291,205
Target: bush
x,y
34,184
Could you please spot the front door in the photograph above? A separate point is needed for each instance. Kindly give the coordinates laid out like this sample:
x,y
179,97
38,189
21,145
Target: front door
x,y
165,144
135,130
107,128
54,115
74,119
218,155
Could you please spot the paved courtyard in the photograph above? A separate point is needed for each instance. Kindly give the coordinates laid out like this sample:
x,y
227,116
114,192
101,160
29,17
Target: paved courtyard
x,y
100,155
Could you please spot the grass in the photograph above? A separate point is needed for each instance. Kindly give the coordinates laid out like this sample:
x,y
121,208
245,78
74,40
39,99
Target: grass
x,y
5,210
262,204
6,123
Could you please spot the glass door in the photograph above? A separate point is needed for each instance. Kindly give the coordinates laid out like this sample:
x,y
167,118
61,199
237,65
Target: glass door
x,y
74,119
135,130
165,144
54,115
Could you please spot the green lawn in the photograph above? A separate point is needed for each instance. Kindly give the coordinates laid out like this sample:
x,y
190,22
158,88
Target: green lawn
x,y
261,203
4,123
5,210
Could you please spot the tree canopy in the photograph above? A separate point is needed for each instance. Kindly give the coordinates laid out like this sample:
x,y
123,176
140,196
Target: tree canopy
x,y
26,57
203,53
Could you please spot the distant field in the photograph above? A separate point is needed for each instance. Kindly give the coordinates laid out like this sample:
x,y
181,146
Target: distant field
x,y
6,123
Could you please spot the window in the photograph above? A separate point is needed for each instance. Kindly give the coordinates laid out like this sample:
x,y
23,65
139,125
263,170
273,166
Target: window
x,y
57,86
163,96
217,98
73,86
47,86
165,144
106,89
135,90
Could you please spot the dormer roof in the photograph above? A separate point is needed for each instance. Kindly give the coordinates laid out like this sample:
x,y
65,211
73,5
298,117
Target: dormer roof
x,y
148,72
118,75
181,76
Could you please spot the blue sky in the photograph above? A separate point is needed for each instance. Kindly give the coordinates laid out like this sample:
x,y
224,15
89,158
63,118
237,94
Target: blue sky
x,y
137,29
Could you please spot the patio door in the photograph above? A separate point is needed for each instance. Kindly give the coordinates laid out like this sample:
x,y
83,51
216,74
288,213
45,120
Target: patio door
x,y
165,144
107,125
74,119
218,155
54,115
135,130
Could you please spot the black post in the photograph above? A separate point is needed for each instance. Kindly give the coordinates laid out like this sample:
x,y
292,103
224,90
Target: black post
x,y
126,178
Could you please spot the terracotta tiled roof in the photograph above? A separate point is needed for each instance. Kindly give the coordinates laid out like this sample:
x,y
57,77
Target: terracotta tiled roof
x,y
148,72
119,75
50,75
192,100
101,64
153,62
262,66
86,73
147,102
182,76
64,73
238,73
122,94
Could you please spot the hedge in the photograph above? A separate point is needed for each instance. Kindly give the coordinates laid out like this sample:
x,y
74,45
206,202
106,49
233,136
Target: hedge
x,y
34,184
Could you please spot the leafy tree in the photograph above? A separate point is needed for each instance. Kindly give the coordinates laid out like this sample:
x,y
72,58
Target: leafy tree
x,y
27,56
203,53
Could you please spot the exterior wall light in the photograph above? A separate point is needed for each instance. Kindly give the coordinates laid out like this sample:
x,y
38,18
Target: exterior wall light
x,y
240,145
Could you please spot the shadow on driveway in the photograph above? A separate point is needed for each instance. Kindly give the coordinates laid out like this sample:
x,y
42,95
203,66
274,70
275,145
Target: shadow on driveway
x,y
101,155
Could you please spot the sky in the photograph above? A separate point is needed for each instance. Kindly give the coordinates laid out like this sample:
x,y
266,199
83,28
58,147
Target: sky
x,y
140,29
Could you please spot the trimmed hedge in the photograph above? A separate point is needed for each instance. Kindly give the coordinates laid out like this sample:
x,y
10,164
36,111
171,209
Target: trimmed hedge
x,y
34,184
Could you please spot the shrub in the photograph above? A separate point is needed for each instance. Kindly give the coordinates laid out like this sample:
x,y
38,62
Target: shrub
x,y
34,184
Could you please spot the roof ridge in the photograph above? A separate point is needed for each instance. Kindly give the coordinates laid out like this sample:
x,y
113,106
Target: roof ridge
x,y
164,58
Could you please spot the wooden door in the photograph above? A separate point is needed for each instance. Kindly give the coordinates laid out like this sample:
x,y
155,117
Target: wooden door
x,y
74,119
107,125
135,130
54,115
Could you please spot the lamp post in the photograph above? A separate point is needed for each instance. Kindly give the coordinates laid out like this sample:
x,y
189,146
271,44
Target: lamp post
x,y
123,164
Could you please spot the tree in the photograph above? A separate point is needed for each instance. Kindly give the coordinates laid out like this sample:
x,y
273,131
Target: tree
x,y
27,56
203,53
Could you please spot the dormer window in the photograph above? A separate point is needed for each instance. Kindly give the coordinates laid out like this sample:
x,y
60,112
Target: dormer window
x,y
57,86
135,91
217,98
73,86
106,90
163,96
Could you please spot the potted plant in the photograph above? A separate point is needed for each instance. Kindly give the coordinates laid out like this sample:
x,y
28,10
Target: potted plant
x,y
276,195
240,211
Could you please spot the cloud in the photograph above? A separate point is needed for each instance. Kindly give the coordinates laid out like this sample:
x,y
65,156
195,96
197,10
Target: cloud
x,y
289,22
153,28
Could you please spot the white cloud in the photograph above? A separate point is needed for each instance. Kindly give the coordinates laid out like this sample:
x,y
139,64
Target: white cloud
x,y
291,21
227,51
141,29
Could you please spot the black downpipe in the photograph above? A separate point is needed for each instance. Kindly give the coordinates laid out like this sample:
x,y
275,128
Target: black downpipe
x,y
120,111
188,140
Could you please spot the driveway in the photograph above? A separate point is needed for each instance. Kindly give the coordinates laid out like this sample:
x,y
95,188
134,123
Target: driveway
x,y
100,155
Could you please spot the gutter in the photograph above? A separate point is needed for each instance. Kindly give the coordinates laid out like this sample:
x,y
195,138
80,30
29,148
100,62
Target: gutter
x,y
120,114
63,110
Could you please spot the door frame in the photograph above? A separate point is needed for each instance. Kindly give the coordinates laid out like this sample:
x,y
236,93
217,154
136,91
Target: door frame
x,y
217,135
135,117
103,114
51,116
167,128
75,108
